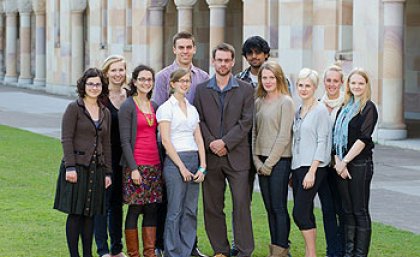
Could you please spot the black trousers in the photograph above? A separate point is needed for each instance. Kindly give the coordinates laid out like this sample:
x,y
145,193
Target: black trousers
x,y
303,209
355,194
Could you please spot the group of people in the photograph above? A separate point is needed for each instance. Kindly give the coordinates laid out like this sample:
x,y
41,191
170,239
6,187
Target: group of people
x,y
151,142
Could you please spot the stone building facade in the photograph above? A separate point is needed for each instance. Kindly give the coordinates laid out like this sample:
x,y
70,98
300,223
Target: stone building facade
x,y
46,44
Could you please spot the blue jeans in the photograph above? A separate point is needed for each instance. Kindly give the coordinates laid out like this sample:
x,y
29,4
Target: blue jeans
x,y
274,189
332,214
112,220
181,219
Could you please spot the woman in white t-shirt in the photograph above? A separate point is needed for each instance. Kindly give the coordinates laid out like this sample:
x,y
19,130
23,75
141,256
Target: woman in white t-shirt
x,y
184,166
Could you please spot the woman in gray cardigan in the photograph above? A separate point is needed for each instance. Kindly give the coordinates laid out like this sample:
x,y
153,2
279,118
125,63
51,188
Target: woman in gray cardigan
x,y
142,171
311,154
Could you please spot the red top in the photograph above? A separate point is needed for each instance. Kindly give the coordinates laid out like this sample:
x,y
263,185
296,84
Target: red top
x,y
145,148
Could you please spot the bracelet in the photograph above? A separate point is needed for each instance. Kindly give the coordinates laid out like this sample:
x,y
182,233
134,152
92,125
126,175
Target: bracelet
x,y
202,170
345,161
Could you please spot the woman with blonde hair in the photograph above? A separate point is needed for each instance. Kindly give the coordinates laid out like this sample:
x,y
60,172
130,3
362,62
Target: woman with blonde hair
x,y
273,118
114,70
332,213
352,148
311,152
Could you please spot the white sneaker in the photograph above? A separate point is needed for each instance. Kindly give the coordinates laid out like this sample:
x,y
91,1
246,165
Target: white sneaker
x,y
159,252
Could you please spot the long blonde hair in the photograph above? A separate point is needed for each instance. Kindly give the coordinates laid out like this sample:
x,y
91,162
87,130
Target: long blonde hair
x,y
281,82
366,95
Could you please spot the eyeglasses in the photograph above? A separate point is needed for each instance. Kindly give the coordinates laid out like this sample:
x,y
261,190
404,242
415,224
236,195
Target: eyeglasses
x,y
223,60
184,81
97,85
143,80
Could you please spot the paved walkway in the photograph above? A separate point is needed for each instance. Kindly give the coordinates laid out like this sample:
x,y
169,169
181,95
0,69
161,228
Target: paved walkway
x,y
395,197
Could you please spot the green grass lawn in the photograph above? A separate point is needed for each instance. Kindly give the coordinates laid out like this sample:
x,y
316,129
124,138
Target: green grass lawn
x,y
30,227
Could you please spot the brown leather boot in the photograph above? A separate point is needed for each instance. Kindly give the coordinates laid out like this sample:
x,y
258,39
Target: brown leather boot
x,y
132,242
149,239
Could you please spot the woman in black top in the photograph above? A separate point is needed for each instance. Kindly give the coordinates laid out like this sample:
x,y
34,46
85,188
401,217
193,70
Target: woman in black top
x,y
353,157
114,70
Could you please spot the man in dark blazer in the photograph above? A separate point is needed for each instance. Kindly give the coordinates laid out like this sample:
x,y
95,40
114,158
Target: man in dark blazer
x,y
225,105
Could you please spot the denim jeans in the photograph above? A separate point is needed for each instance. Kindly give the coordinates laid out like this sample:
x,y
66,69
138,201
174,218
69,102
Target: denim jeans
x,y
332,214
355,194
181,219
274,189
112,220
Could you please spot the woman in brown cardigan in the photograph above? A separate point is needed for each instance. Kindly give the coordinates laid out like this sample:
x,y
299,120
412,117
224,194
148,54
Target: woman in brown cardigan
x,y
85,171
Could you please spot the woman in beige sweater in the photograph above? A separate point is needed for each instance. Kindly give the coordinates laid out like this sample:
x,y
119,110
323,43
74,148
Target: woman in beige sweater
x,y
271,150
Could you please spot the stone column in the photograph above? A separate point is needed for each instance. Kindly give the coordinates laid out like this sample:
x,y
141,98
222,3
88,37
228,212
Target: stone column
x,y
217,24
184,8
25,8
77,45
156,14
11,41
392,125
2,30
40,42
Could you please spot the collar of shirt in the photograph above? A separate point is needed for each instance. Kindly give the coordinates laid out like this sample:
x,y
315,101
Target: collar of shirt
x,y
176,66
245,75
232,83
175,101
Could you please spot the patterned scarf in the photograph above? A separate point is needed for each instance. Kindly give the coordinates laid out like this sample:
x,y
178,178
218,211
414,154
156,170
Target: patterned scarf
x,y
341,127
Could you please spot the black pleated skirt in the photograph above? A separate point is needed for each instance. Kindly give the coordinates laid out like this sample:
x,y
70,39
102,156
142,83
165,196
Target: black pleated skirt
x,y
87,196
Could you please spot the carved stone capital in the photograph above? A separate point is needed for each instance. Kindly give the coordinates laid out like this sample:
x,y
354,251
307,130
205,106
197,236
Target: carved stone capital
x,y
24,6
217,2
39,6
78,5
10,6
157,3
394,1
185,3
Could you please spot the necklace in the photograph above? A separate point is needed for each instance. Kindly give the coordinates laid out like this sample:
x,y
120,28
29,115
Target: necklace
x,y
306,110
150,120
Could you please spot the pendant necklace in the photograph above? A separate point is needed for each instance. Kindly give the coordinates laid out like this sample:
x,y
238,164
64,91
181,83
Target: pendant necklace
x,y
150,120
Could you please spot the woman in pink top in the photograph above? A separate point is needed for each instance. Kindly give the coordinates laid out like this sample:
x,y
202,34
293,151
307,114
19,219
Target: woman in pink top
x,y
142,172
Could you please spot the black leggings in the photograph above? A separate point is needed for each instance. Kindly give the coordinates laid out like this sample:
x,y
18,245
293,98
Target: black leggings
x,y
77,225
303,209
149,215
355,194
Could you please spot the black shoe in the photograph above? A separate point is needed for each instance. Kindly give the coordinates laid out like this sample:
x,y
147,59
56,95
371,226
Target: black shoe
x,y
196,252
234,252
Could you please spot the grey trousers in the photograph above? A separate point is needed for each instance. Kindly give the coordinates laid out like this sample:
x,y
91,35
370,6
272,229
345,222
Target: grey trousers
x,y
181,219
214,187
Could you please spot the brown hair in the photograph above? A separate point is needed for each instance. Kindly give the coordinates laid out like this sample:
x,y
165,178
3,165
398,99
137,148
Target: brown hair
x,y
92,73
184,35
135,75
224,47
281,82
176,75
